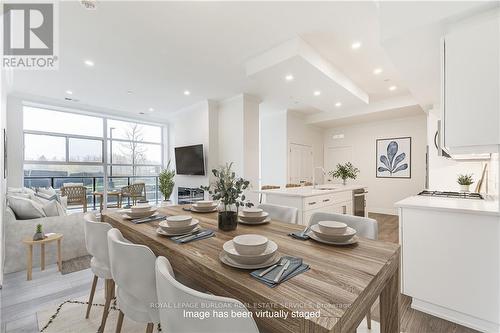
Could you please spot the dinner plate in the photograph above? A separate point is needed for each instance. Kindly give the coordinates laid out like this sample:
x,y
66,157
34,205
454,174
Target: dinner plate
x,y
268,253
230,262
350,241
266,220
253,218
162,232
128,217
138,214
166,227
350,232
196,210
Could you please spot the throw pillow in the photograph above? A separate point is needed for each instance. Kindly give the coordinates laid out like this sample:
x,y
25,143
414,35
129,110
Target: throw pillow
x,y
50,208
25,209
49,191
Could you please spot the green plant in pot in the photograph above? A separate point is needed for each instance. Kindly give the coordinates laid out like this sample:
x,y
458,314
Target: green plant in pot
x,y
166,182
228,189
344,172
39,235
465,181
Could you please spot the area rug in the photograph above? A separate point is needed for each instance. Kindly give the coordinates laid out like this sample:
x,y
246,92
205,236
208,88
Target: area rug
x,y
76,264
69,317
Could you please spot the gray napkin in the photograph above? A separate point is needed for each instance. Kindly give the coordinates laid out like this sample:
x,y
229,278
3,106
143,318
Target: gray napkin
x,y
200,235
148,219
299,235
296,267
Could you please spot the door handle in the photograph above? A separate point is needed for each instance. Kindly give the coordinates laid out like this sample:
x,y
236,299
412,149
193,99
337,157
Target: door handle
x,y
344,209
312,203
326,200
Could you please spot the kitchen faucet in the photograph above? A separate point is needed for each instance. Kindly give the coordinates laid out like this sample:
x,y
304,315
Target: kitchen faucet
x,y
314,175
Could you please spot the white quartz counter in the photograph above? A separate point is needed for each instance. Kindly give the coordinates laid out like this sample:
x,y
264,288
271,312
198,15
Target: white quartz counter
x,y
488,206
309,191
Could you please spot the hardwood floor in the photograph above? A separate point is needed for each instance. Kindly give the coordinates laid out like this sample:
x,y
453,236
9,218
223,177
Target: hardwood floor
x,y
412,321
21,299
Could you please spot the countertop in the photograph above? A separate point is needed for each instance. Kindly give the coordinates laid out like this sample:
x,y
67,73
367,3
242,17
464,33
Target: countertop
x,y
488,206
308,191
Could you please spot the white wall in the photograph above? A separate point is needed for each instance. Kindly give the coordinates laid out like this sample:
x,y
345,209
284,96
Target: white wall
x,y
15,141
273,142
443,172
299,132
383,192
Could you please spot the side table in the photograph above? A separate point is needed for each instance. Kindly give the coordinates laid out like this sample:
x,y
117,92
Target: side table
x,y
52,237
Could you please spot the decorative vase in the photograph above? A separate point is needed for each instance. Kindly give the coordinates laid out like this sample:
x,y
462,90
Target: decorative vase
x,y
464,188
228,217
166,203
344,181
38,236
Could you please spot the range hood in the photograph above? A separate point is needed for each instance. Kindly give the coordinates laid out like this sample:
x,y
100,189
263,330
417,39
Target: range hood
x,y
442,151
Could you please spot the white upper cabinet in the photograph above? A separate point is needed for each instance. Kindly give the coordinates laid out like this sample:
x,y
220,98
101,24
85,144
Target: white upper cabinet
x,y
471,86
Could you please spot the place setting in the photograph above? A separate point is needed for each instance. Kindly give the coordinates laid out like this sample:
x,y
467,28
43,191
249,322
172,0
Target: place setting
x,y
258,253
333,233
203,206
141,213
253,216
183,229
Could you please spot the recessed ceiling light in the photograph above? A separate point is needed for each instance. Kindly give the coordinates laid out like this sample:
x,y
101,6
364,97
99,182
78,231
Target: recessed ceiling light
x,y
69,92
151,109
89,63
187,92
377,71
355,45
130,92
141,112
317,93
392,88
289,77
338,104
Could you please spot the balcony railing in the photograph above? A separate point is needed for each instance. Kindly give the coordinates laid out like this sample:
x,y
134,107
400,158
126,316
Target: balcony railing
x,y
94,184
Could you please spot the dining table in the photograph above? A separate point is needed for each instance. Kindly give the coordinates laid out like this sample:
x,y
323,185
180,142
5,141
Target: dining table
x,y
334,295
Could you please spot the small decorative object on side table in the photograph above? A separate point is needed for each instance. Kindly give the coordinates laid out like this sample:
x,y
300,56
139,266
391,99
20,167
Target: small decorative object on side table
x,y
39,235
228,188
51,237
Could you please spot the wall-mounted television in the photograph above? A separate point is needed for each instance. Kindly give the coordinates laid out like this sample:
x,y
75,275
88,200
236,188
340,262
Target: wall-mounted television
x,y
189,160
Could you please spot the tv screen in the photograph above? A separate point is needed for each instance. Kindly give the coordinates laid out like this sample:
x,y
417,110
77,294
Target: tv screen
x,y
189,160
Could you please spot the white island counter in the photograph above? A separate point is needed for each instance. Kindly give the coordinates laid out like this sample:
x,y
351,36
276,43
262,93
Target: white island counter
x,y
328,198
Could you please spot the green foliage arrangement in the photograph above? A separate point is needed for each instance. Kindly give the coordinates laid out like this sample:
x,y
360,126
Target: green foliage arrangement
x,y
345,171
465,179
166,178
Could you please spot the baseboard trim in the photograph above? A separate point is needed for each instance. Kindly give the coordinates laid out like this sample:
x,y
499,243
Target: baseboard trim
x,y
455,316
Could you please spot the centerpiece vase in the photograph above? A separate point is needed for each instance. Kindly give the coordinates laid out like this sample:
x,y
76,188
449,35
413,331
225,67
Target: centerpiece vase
x,y
228,217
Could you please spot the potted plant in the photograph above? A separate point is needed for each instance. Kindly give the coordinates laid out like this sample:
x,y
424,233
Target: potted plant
x,y
228,189
166,183
345,171
39,235
465,181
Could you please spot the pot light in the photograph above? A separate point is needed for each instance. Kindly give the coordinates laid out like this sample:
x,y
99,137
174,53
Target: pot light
x,y
317,93
89,63
289,77
377,71
151,110
69,92
129,92
355,45
187,92
392,88
338,104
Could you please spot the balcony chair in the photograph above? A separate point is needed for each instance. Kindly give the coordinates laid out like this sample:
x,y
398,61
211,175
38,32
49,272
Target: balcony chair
x,y
136,192
133,270
75,194
364,226
267,187
281,213
170,291
96,239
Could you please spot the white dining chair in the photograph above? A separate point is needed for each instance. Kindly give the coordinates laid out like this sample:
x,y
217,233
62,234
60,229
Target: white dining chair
x,y
281,213
133,269
96,240
364,226
173,319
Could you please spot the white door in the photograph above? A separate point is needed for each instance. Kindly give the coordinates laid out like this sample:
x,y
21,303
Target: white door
x,y
336,155
300,163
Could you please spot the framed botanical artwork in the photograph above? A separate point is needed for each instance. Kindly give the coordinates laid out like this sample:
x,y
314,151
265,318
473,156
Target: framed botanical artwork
x,y
394,158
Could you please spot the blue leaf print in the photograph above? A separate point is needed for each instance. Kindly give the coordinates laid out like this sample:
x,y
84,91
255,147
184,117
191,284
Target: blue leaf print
x,y
384,160
392,149
391,161
401,168
399,159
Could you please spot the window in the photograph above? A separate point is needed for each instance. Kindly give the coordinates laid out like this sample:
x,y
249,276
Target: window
x,y
44,148
85,150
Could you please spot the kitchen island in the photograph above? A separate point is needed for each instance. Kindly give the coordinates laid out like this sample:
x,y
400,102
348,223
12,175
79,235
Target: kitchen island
x,y
328,198
450,258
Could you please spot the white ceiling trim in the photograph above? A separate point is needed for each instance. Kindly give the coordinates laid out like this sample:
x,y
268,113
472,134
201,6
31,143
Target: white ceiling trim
x,y
298,47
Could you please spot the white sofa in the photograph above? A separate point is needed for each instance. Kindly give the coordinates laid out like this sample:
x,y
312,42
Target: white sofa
x,y
73,243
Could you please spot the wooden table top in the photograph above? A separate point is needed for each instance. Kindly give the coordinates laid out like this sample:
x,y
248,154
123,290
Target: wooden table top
x,y
343,282
50,237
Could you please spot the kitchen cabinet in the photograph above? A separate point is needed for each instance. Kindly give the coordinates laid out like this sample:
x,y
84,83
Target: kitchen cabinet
x,y
471,85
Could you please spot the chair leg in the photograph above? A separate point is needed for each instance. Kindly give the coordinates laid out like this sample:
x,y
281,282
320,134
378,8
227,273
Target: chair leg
x,y
369,320
119,322
149,328
109,290
91,297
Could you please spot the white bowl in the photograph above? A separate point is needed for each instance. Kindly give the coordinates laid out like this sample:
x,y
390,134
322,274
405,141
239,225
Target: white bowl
x,y
204,203
164,225
332,227
250,244
231,252
258,218
138,213
140,207
177,221
252,212
349,233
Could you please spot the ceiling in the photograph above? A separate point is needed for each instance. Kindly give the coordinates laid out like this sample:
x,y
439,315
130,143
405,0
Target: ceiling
x,y
147,54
